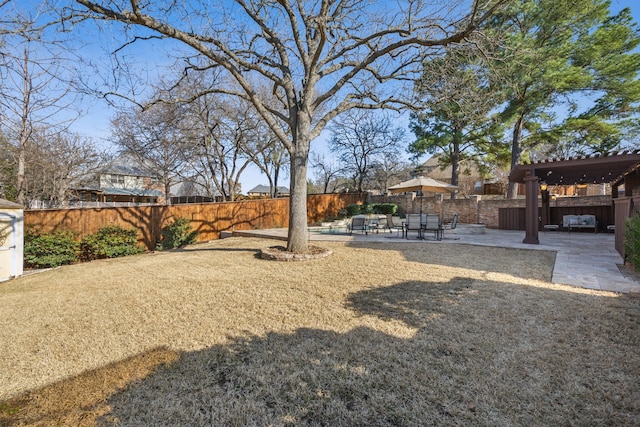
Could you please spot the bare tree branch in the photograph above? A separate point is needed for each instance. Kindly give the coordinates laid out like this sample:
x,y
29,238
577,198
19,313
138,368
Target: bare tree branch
x,y
320,58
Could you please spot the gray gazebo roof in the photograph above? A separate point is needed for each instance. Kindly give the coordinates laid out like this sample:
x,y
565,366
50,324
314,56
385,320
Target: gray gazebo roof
x,y
265,189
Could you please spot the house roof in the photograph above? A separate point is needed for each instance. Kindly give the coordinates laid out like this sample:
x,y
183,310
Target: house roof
x,y
128,165
144,192
190,188
432,169
264,189
6,204
596,169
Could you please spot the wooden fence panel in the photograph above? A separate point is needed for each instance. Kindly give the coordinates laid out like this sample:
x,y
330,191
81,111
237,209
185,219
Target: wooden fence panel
x,y
208,219
623,208
511,218
89,220
320,207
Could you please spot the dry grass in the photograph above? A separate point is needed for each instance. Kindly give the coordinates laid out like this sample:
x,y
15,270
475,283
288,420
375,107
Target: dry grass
x,y
374,335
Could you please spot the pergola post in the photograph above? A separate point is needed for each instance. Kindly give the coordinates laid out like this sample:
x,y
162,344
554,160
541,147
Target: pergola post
x,y
531,208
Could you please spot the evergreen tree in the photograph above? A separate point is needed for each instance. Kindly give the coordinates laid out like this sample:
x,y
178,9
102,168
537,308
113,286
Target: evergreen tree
x,y
558,57
458,95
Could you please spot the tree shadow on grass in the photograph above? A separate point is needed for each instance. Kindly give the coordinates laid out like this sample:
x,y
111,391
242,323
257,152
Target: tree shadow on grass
x,y
463,352
479,353
414,303
80,400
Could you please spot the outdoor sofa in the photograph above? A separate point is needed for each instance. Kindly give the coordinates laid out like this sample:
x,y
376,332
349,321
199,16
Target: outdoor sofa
x,y
570,222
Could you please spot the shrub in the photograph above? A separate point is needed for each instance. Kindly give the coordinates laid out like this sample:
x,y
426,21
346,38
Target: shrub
x,y
632,241
111,241
178,234
368,208
385,208
342,213
353,209
49,250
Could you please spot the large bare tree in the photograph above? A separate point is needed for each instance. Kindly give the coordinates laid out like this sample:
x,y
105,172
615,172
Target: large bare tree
x,y
321,58
327,173
362,141
153,138
41,156
220,132
58,162
35,96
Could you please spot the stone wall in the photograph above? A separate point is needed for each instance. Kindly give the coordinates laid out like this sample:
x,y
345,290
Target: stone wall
x,y
475,210
582,201
488,210
467,210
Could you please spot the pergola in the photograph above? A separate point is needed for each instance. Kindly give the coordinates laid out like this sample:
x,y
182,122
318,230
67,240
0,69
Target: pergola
x,y
595,169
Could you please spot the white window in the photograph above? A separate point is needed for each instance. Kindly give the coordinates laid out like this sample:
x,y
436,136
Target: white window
x,y
117,179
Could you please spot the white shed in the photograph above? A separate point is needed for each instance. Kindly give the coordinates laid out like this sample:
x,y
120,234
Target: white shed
x,y
11,239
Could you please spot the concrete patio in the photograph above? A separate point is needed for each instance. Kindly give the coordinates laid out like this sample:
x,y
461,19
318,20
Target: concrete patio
x,y
583,259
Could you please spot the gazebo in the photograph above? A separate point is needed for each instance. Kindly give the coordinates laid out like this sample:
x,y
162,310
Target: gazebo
x,y
614,168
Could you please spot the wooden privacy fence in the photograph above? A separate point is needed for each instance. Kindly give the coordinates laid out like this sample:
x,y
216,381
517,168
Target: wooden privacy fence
x,y
626,207
511,218
208,219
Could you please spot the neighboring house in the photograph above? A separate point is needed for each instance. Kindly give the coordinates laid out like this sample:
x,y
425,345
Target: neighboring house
x,y
470,181
120,183
264,191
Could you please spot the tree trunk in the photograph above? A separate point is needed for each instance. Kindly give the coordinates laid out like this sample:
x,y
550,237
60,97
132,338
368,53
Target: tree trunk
x,y
167,192
233,187
21,197
61,194
272,189
276,172
298,239
455,167
20,181
512,189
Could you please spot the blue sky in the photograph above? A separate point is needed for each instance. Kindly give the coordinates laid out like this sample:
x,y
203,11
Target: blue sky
x,y
96,123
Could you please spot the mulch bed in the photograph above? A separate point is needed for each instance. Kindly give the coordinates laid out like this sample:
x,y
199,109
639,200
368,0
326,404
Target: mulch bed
x,y
280,253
